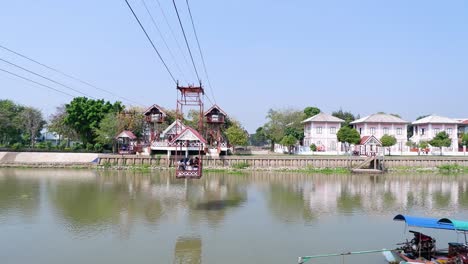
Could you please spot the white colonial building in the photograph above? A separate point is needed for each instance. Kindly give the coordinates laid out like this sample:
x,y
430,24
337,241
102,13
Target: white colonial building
x,y
321,130
427,128
381,124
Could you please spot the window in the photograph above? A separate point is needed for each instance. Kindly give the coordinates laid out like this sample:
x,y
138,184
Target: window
x,y
360,130
399,131
332,145
436,131
332,130
319,130
385,130
449,131
372,130
423,130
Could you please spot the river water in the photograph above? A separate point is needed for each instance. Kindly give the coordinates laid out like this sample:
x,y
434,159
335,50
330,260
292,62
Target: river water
x,y
83,216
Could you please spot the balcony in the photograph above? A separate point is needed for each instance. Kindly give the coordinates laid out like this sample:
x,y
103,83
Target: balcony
x,y
157,118
215,119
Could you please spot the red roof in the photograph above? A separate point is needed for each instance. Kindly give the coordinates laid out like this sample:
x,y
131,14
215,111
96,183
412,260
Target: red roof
x,y
191,130
364,140
154,106
465,122
126,133
215,107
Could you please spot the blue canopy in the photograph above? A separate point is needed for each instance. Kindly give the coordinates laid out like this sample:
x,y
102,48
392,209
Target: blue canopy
x,y
423,222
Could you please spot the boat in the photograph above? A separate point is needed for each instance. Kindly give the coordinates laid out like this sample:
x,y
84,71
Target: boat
x,y
422,248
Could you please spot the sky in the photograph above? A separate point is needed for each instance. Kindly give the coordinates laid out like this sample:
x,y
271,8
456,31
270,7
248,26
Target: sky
x,y
363,56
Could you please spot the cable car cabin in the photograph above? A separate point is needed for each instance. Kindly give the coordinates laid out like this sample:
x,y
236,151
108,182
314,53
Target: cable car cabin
x,y
188,167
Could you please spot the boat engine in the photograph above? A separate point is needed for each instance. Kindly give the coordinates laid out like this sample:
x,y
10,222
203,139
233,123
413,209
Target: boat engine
x,y
420,246
458,253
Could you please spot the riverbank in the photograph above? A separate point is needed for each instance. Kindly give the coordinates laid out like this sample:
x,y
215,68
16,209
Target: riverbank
x,y
306,164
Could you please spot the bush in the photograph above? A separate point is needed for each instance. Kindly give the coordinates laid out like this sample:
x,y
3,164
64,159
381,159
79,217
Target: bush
x,y
62,146
77,146
98,147
313,147
89,146
49,145
240,165
17,146
41,145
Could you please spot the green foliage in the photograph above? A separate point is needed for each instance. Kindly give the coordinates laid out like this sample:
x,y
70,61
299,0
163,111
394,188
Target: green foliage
x,y
442,139
237,136
423,144
279,121
452,168
347,116
89,147
288,141
388,140
240,165
98,147
411,144
108,129
17,146
311,111
10,122
296,133
31,122
348,135
464,140
313,147
259,138
84,115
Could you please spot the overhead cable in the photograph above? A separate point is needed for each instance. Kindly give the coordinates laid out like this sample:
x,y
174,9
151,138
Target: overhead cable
x,y
67,75
51,80
186,41
152,44
43,85
201,53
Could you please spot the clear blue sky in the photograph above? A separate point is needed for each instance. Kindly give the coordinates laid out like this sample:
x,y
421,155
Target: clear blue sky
x,y
400,56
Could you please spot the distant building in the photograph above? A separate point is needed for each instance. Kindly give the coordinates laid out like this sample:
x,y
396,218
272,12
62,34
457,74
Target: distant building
x,y
426,128
321,130
381,124
462,126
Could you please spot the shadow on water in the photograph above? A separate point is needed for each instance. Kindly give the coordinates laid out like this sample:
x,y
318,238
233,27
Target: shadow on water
x,y
218,205
188,250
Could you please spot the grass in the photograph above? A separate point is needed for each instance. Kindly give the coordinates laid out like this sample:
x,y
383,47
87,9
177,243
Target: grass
x,y
452,168
320,170
241,165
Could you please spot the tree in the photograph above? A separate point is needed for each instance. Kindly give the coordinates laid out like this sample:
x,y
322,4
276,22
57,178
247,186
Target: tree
x,y
348,135
132,120
10,122
57,125
313,147
347,116
388,141
289,141
108,129
442,139
464,139
259,138
279,120
237,136
32,123
84,115
311,111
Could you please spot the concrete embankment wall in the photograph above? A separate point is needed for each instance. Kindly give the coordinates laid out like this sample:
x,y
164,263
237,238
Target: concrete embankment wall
x,y
293,162
47,159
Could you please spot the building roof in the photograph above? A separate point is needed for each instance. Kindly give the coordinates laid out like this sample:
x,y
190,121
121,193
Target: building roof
x,y
435,119
189,134
148,110
172,128
380,118
370,140
126,134
323,117
215,106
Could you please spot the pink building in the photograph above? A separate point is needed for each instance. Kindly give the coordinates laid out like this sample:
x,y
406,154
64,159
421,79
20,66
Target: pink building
x,y
381,124
321,130
426,128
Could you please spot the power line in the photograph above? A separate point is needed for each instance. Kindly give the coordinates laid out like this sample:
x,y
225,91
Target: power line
x,y
152,44
172,32
67,75
162,37
42,76
199,48
27,79
185,37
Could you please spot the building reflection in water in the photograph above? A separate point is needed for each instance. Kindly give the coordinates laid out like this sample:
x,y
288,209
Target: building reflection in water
x,y
188,250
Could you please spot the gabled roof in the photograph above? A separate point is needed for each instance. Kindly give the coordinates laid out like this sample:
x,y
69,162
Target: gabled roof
x,y
380,118
189,134
323,117
148,110
126,134
435,119
215,106
171,129
370,140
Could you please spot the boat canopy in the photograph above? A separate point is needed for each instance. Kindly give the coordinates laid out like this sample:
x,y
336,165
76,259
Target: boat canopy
x,y
454,224
423,222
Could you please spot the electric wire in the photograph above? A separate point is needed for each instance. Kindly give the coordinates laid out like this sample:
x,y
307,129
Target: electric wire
x,y
161,9
201,53
186,41
163,39
27,79
152,44
44,77
68,75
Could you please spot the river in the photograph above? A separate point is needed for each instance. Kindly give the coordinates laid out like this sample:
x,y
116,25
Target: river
x,y
109,217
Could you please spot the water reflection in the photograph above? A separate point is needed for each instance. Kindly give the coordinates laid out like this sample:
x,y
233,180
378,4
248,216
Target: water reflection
x,y
188,250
